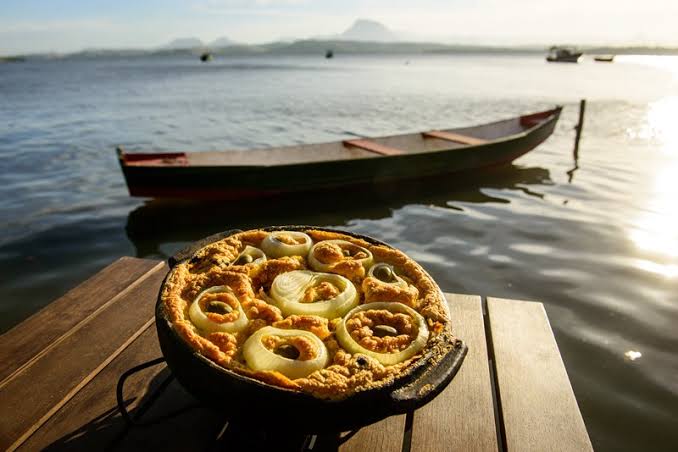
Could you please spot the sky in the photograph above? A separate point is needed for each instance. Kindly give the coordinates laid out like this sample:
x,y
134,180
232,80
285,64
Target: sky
x,y
28,26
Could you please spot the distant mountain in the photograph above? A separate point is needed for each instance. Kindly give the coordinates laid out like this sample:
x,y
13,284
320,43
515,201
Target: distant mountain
x,y
345,44
184,43
221,42
287,39
368,30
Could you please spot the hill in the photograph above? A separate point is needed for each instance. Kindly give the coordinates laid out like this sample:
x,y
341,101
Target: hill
x,y
184,43
368,30
221,42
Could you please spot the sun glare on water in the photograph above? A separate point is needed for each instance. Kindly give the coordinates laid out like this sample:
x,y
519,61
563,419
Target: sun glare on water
x,y
665,62
656,231
661,119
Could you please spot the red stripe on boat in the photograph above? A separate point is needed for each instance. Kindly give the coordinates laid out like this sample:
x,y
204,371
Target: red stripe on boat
x,y
162,159
535,118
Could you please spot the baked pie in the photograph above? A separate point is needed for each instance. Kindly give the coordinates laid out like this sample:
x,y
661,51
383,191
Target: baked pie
x,y
311,310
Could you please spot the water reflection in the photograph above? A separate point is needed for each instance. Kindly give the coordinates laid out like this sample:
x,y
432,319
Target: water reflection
x,y
632,355
661,119
575,163
157,223
575,151
656,230
665,62
660,125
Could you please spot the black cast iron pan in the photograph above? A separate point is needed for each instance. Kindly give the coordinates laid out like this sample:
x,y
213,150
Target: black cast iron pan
x,y
262,405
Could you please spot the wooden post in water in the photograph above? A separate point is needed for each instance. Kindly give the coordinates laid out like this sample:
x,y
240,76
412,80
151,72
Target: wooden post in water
x,y
580,124
578,128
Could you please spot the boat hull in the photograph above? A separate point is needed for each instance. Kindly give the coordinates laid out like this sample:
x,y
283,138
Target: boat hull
x,y
565,59
256,181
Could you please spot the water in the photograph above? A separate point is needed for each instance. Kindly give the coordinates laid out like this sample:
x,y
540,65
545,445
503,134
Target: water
x,y
596,239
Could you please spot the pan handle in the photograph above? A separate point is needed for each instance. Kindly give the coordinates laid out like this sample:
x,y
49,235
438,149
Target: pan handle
x,y
187,252
432,380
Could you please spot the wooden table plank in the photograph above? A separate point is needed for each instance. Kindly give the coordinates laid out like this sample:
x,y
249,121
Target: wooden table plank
x,y
385,435
537,403
33,335
90,420
461,418
41,388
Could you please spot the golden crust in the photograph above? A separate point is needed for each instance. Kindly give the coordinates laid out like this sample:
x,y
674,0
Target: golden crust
x,y
346,372
350,269
361,328
313,323
332,255
263,276
259,309
377,290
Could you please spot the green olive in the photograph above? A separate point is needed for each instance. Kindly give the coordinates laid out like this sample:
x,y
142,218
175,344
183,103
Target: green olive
x,y
287,351
384,330
384,273
243,259
219,307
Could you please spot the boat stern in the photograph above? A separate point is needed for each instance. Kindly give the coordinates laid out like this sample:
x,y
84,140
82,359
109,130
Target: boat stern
x,y
141,169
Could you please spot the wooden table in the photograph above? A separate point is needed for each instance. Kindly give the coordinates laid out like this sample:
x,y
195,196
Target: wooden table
x,y
59,369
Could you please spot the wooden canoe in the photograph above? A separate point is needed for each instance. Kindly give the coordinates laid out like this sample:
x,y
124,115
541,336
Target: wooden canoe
x,y
363,162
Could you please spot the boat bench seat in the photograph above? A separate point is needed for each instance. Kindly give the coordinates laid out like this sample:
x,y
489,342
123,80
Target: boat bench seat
x,y
374,147
456,137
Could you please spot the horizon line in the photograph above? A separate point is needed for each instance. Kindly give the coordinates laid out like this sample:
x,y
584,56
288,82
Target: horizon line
x,y
235,44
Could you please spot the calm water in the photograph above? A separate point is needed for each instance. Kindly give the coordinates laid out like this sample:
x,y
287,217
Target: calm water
x,y
595,239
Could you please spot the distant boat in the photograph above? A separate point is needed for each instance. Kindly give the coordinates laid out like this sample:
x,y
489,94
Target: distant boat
x,y
329,54
563,55
359,162
205,57
12,59
604,58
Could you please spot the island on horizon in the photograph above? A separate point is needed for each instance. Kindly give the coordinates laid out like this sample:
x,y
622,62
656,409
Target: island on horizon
x,y
364,36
